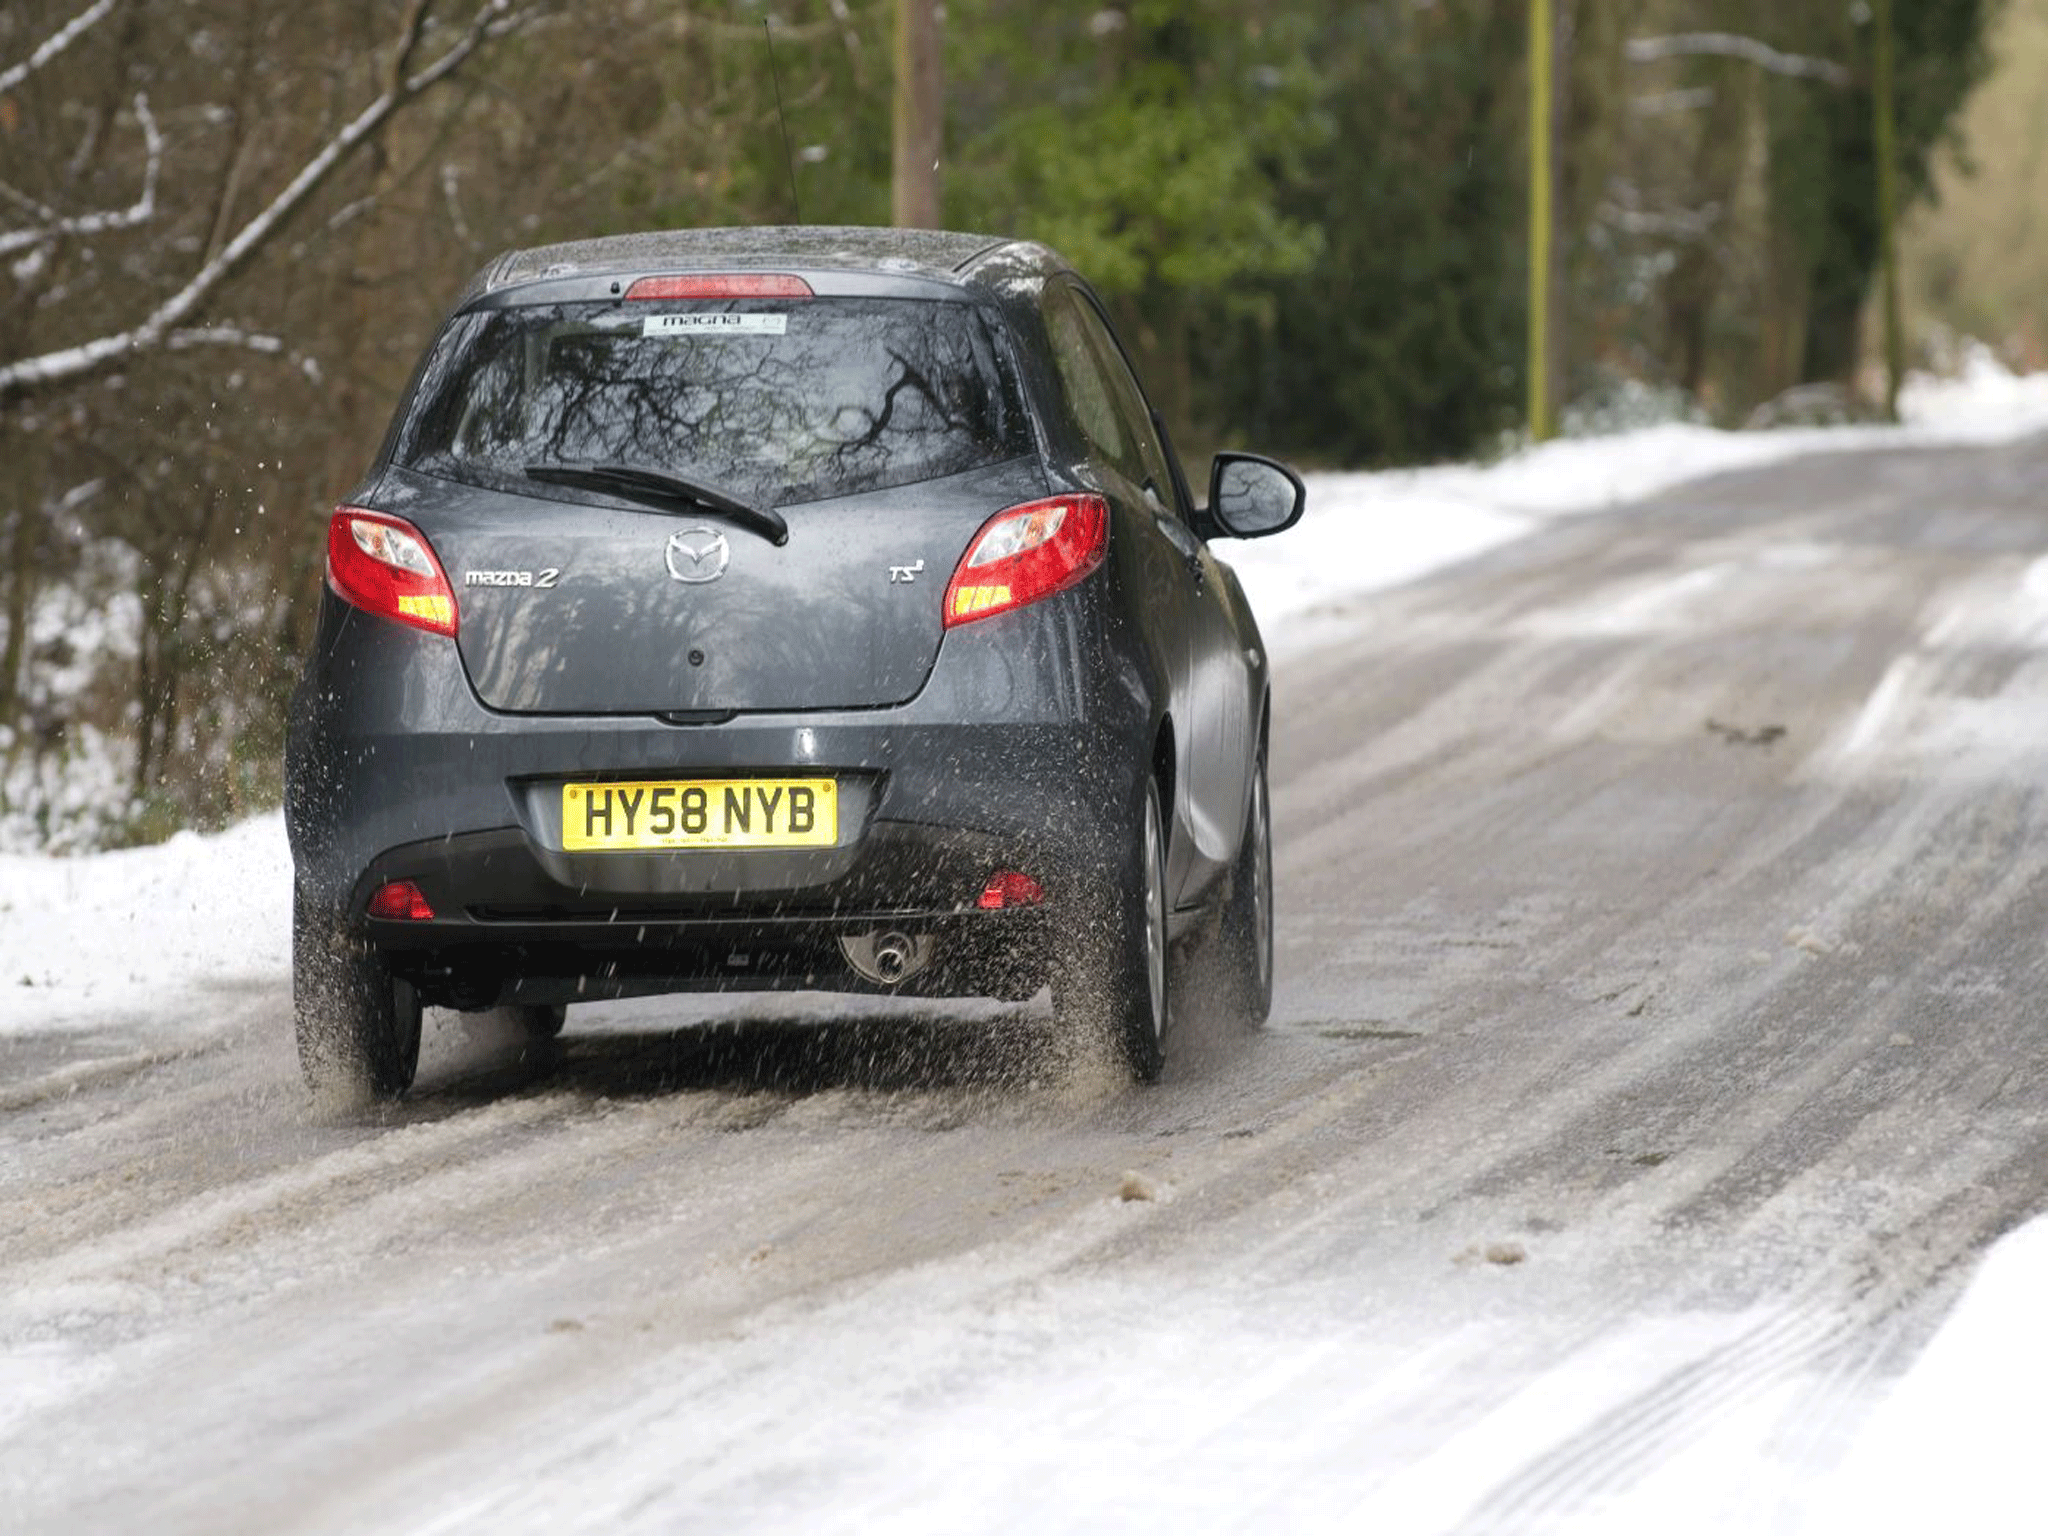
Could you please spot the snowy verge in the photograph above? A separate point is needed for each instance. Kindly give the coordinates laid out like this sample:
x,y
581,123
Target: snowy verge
x,y
131,937
1952,1448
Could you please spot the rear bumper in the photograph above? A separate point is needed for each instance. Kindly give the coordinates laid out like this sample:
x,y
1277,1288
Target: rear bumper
x,y
1021,752
506,927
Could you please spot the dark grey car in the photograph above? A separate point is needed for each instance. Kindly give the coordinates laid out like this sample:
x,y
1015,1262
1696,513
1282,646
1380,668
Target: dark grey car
x,y
817,608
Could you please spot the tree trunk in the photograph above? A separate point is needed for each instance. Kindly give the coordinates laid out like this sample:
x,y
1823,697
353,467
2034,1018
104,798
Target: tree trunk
x,y
1694,287
920,115
15,445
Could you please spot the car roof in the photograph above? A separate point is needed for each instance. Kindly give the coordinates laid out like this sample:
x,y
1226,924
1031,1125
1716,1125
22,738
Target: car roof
x,y
935,254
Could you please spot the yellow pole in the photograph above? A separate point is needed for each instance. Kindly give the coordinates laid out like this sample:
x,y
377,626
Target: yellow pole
x,y
1883,110
1541,40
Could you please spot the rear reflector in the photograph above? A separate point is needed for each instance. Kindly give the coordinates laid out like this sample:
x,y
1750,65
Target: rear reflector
x,y
384,565
401,901
1026,553
722,285
1010,888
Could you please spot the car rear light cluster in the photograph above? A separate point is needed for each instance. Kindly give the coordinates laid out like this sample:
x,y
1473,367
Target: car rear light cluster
x,y
1026,553
384,565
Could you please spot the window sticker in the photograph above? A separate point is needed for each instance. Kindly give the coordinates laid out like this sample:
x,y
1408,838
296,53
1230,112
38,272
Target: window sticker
x,y
714,324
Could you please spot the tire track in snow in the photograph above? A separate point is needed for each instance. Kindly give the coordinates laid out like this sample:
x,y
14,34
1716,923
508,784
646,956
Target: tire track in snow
x,y
222,1214
1572,1480
1824,1350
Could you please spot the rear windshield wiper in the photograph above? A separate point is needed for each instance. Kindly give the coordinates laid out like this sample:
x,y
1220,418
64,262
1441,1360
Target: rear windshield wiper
x,y
660,486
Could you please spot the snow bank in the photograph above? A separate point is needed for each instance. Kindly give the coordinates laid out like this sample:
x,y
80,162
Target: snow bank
x,y
1952,1448
1984,403
112,938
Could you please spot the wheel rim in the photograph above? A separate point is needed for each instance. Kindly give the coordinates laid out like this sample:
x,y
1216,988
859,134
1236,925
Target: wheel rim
x,y
1155,921
1262,880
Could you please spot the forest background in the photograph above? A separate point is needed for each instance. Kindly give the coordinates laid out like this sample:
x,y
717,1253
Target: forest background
x,y
228,228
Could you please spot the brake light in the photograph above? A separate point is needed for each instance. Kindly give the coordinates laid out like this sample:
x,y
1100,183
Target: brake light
x,y
385,566
1026,553
722,285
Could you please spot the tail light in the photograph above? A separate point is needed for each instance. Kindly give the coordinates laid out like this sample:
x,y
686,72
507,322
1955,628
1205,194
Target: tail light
x,y
1026,553
385,566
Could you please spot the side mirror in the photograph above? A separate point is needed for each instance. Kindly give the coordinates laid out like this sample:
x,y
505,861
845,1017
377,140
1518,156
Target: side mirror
x,y
1251,496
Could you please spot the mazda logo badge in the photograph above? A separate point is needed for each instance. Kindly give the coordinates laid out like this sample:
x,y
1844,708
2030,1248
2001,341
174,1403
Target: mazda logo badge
x,y
698,555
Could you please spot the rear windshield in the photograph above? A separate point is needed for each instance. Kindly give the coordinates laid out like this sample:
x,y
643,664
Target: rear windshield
x,y
777,401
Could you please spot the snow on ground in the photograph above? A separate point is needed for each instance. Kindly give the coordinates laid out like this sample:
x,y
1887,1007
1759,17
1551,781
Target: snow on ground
x,y
136,938
69,799
1952,1448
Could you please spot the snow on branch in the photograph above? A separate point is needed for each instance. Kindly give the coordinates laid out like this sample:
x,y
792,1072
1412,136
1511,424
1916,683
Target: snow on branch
x,y
224,336
56,43
492,19
1623,209
750,31
1665,103
141,211
1676,224
1731,45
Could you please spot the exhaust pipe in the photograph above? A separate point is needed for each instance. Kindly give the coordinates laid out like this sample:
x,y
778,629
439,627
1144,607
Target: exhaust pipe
x,y
888,957
892,956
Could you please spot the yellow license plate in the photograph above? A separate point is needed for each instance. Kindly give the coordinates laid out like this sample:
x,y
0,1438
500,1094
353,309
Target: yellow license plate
x,y
701,813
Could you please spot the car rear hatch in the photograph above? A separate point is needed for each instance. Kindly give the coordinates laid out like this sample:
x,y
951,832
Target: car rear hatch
x,y
879,432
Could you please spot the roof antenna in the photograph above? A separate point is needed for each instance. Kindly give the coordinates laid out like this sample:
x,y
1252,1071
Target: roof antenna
x,y
782,118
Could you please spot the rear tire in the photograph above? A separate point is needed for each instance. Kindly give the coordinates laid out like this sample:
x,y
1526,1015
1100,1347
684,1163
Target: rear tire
x,y
1244,938
358,1024
1113,978
536,1021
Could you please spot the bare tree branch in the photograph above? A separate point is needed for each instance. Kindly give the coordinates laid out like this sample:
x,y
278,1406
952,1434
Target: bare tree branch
x,y
223,336
785,32
1676,223
141,211
56,43
1731,45
491,20
408,42
1624,209
248,341
451,194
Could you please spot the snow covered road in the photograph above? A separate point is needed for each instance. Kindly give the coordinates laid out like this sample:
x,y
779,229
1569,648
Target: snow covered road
x,y
1656,1052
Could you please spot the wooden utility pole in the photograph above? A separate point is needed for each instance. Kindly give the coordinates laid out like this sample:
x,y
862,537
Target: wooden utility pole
x,y
1541,45
1885,137
920,115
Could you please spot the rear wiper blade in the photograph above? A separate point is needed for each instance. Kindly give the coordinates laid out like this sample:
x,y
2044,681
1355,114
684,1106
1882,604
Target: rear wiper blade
x,y
659,485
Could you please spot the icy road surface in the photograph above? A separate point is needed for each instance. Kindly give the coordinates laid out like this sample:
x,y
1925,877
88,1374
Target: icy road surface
x,y
1658,1048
